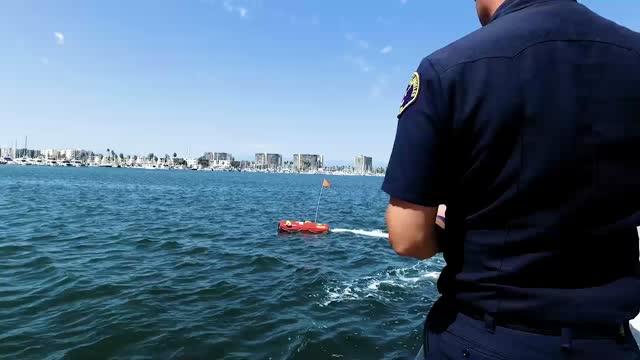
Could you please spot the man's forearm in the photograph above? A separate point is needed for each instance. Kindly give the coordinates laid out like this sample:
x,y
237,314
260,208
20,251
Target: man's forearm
x,y
414,230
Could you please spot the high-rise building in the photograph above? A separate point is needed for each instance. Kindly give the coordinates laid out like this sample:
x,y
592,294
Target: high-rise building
x,y
307,162
218,159
364,164
222,156
268,161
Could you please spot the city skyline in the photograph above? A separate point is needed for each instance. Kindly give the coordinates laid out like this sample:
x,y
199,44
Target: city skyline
x,y
267,160
244,156
238,75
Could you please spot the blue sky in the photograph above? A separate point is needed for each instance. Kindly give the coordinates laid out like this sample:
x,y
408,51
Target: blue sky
x,y
240,76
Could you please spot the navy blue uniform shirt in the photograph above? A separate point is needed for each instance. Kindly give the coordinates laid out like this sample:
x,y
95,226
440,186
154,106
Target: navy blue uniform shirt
x,y
529,130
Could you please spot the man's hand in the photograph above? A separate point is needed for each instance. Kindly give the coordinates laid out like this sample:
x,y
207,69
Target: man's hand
x,y
412,228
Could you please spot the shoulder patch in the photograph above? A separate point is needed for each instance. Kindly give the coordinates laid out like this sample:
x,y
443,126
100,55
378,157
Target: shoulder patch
x,y
411,94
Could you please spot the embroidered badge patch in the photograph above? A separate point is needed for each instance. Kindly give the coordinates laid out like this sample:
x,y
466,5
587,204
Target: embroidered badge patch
x,y
410,96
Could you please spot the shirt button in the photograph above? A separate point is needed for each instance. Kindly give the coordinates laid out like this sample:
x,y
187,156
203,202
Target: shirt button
x,y
466,354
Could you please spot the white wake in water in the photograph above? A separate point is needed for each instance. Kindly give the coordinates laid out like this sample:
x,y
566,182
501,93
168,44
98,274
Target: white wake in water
x,y
369,233
387,285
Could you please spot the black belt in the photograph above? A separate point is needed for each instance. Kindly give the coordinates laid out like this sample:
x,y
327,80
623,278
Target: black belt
x,y
605,331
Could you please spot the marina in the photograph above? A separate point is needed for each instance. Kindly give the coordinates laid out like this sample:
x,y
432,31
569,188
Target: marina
x,y
264,163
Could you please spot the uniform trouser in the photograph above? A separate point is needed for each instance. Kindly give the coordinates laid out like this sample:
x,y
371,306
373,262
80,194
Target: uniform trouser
x,y
467,338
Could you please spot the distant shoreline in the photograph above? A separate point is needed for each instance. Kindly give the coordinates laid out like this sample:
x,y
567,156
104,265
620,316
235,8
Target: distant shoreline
x,y
230,170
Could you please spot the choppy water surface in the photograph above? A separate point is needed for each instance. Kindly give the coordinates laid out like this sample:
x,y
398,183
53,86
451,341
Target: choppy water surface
x,y
135,264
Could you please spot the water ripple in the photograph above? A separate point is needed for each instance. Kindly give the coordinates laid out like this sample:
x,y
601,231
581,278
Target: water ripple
x,y
128,264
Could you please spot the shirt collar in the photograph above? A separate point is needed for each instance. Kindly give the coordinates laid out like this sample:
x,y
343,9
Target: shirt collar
x,y
510,6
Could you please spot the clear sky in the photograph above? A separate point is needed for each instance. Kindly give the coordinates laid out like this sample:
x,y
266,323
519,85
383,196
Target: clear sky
x,y
241,76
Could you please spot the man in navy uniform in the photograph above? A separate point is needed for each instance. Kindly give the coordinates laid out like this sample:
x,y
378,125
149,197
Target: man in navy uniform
x,y
528,130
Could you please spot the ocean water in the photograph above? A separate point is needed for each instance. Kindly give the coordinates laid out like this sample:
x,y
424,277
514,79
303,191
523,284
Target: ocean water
x,y
135,264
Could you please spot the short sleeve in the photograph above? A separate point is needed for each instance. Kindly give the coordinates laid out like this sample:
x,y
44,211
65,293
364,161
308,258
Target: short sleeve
x,y
418,167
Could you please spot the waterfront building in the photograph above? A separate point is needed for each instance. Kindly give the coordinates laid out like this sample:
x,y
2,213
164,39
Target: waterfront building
x,y
222,156
307,162
217,156
364,164
268,161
